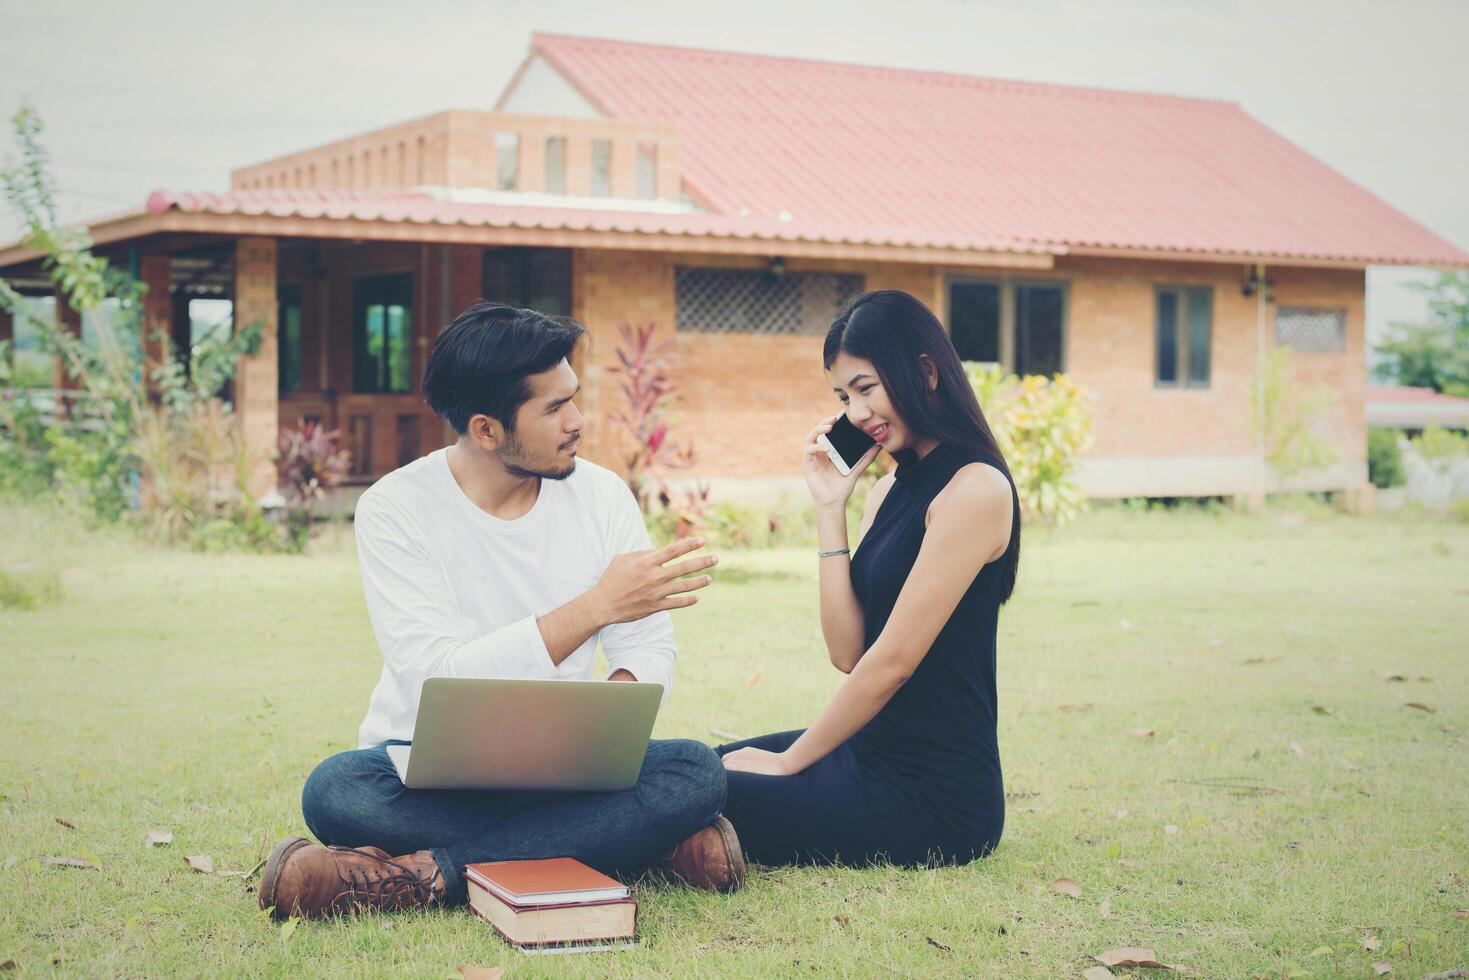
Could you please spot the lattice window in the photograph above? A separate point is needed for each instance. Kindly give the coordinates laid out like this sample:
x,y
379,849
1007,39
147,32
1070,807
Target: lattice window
x,y
1311,328
755,301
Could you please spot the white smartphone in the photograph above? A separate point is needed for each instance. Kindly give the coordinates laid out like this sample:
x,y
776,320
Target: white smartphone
x,y
845,444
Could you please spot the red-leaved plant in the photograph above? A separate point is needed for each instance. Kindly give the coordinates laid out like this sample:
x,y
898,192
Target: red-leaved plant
x,y
647,391
309,463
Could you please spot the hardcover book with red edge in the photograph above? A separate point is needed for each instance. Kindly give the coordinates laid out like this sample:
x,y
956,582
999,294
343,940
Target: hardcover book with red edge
x,y
544,882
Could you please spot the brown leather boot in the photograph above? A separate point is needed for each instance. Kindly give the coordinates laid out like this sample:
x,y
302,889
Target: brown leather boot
x,y
711,859
309,880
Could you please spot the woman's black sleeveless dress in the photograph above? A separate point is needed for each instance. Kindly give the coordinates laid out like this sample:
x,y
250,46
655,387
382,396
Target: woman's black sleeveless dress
x,y
920,782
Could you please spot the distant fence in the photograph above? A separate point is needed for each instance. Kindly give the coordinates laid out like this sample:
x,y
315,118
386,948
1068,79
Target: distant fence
x,y
1435,482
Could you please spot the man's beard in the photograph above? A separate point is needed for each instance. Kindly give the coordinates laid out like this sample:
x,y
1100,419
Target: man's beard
x,y
512,456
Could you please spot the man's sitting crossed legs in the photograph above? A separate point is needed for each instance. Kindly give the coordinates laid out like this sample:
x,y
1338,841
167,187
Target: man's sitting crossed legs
x,y
502,556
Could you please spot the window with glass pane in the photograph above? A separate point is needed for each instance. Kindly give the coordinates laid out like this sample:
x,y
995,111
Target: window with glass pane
x,y
1183,329
1040,329
288,339
1167,330
529,278
382,334
1200,302
601,168
647,171
507,161
974,320
555,165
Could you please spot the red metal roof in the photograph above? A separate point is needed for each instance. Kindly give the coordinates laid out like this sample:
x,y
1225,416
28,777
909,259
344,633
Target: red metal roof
x,y
950,157
1402,394
1414,408
422,208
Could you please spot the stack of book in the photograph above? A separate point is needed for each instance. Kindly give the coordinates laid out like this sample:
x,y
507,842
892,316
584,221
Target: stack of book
x,y
554,905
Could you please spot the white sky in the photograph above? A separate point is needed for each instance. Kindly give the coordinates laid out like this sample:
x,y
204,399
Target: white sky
x,y
165,93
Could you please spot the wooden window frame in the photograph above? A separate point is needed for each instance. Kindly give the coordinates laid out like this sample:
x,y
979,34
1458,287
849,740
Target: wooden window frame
x,y
1008,285
1182,381
361,300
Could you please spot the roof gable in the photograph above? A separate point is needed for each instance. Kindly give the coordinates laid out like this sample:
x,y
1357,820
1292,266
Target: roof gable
x,y
954,156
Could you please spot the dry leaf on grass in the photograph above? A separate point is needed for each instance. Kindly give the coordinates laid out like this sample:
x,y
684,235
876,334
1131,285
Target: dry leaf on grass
x,y
938,945
1067,709
1394,676
1096,973
1321,709
1130,956
1105,909
469,972
1371,943
9,965
1461,913
1420,706
1296,748
200,862
157,836
1381,969
66,823
1130,862
1066,887
754,679
841,919
67,862
1140,732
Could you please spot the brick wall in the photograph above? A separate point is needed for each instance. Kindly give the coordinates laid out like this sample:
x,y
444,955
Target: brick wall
x,y
457,149
746,400
256,380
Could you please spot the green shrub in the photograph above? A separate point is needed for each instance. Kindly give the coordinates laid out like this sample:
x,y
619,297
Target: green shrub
x,y
27,586
1385,458
1042,426
1286,417
244,528
1441,445
116,454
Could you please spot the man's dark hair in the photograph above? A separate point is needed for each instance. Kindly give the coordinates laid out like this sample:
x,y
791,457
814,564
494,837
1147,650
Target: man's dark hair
x,y
481,363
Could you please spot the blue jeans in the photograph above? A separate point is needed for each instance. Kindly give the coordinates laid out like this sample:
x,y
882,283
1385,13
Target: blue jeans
x,y
355,799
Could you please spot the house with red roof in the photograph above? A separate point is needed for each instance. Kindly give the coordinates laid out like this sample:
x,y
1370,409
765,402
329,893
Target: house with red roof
x,y
1415,409
1153,248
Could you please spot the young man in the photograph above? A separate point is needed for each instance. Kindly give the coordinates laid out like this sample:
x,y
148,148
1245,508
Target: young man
x,y
502,556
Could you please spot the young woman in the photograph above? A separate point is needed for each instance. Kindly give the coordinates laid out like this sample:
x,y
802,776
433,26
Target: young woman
x,y
902,765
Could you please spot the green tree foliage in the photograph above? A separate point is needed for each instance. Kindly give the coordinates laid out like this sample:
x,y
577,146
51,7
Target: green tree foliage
x,y
1042,426
1286,418
1434,354
107,447
1385,458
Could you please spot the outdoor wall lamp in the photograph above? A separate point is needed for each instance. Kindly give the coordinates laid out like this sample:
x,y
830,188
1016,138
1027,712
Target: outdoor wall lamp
x,y
1251,281
777,269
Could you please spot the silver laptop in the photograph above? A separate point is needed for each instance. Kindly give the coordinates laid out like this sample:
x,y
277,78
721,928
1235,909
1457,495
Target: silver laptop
x,y
517,734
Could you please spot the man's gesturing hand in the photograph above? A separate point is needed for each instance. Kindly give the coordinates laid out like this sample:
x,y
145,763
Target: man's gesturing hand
x,y
640,583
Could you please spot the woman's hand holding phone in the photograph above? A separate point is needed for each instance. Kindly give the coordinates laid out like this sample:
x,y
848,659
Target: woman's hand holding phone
x,y
829,488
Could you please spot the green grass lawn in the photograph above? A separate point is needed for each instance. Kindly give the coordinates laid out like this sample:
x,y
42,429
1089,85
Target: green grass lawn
x,y
1289,809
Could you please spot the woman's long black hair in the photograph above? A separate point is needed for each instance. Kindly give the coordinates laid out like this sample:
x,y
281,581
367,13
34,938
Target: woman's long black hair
x,y
893,330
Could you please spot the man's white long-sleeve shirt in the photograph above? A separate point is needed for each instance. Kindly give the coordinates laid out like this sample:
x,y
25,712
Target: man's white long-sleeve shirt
x,y
454,592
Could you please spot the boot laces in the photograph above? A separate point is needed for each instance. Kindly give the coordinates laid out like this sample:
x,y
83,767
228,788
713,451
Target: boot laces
x,y
384,883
